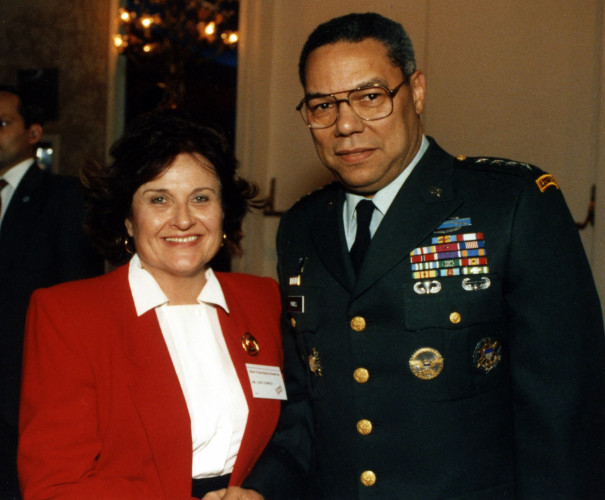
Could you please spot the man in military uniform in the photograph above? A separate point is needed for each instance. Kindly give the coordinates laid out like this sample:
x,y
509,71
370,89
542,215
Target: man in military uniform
x,y
462,356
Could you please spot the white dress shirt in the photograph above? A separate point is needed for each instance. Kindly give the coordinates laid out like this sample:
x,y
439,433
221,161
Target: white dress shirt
x,y
382,199
13,176
215,399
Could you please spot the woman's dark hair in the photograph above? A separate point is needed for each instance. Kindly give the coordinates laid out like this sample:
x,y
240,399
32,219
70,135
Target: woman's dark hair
x,y
356,28
148,148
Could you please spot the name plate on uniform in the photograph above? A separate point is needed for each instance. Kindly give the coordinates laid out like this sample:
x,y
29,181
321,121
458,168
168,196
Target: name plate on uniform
x,y
266,382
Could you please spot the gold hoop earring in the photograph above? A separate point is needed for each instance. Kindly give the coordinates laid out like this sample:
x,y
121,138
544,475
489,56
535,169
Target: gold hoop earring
x,y
128,247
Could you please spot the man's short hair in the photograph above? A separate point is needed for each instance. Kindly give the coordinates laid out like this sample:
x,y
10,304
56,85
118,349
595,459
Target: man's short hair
x,y
30,112
356,28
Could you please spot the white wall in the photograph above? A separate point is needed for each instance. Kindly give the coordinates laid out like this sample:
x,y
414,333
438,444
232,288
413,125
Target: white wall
x,y
505,78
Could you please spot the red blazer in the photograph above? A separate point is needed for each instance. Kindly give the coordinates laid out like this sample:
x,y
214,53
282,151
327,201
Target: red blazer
x,y
102,411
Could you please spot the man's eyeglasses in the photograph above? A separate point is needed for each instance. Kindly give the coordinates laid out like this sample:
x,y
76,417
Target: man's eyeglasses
x,y
369,103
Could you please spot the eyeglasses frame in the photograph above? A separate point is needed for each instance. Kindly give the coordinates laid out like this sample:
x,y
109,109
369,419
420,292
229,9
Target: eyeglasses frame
x,y
392,93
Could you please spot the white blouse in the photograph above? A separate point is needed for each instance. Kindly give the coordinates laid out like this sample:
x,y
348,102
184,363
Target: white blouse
x,y
215,399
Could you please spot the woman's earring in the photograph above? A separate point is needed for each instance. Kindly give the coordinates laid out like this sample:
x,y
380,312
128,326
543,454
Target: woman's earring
x,y
224,239
128,246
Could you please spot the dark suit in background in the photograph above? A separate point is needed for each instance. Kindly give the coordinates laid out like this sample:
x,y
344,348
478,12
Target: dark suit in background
x,y
42,243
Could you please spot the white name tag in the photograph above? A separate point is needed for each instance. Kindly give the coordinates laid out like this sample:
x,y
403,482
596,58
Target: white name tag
x,y
266,381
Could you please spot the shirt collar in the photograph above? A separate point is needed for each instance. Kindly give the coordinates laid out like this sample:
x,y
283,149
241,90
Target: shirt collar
x,y
383,198
148,295
14,174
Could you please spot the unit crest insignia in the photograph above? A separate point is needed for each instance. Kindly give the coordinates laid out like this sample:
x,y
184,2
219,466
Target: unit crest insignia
x,y
487,354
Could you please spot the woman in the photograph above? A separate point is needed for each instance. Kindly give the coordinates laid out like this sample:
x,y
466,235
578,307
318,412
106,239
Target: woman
x,y
136,384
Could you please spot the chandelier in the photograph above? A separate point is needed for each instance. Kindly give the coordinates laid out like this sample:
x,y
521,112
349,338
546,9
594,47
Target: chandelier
x,y
171,35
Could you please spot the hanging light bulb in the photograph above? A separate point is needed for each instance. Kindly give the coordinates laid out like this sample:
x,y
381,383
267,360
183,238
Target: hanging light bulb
x,y
210,28
118,41
125,15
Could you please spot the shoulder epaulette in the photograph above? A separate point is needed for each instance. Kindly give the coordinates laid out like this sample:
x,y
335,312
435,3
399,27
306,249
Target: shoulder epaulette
x,y
326,190
502,165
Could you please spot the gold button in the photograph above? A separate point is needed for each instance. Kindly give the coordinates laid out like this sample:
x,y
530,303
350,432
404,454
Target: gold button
x,y
293,322
358,324
361,375
368,478
455,318
364,427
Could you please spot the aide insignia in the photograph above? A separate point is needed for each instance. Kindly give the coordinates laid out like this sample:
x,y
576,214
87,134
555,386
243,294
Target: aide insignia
x,y
487,354
426,363
315,363
545,181
250,344
435,191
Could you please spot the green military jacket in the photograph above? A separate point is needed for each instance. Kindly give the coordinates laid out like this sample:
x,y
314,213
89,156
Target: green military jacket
x,y
466,359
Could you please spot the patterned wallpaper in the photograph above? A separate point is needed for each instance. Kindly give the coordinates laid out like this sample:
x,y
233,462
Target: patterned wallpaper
x,y
71,35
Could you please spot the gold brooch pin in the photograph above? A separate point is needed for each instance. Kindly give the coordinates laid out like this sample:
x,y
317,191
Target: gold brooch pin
x,y
250,344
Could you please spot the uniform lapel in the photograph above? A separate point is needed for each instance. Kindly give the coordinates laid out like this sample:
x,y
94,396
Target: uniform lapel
x,y
425,200
158,396
329,240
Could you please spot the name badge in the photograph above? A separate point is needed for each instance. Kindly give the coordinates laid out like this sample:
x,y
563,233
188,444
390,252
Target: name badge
x,y
266,381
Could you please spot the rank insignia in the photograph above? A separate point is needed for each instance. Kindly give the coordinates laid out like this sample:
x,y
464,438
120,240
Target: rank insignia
x,y
545,181
315,363
426,363
250,344
487,354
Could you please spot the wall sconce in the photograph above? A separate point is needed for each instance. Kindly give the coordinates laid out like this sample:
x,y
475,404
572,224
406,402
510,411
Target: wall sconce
x,y
269,207
590,216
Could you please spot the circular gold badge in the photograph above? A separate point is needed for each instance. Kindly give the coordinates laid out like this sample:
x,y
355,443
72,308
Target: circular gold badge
x,y
426,363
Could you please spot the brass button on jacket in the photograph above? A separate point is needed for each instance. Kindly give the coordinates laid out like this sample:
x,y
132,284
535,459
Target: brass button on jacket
x,y
455,318
368,478
358,324
364,427
361,375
